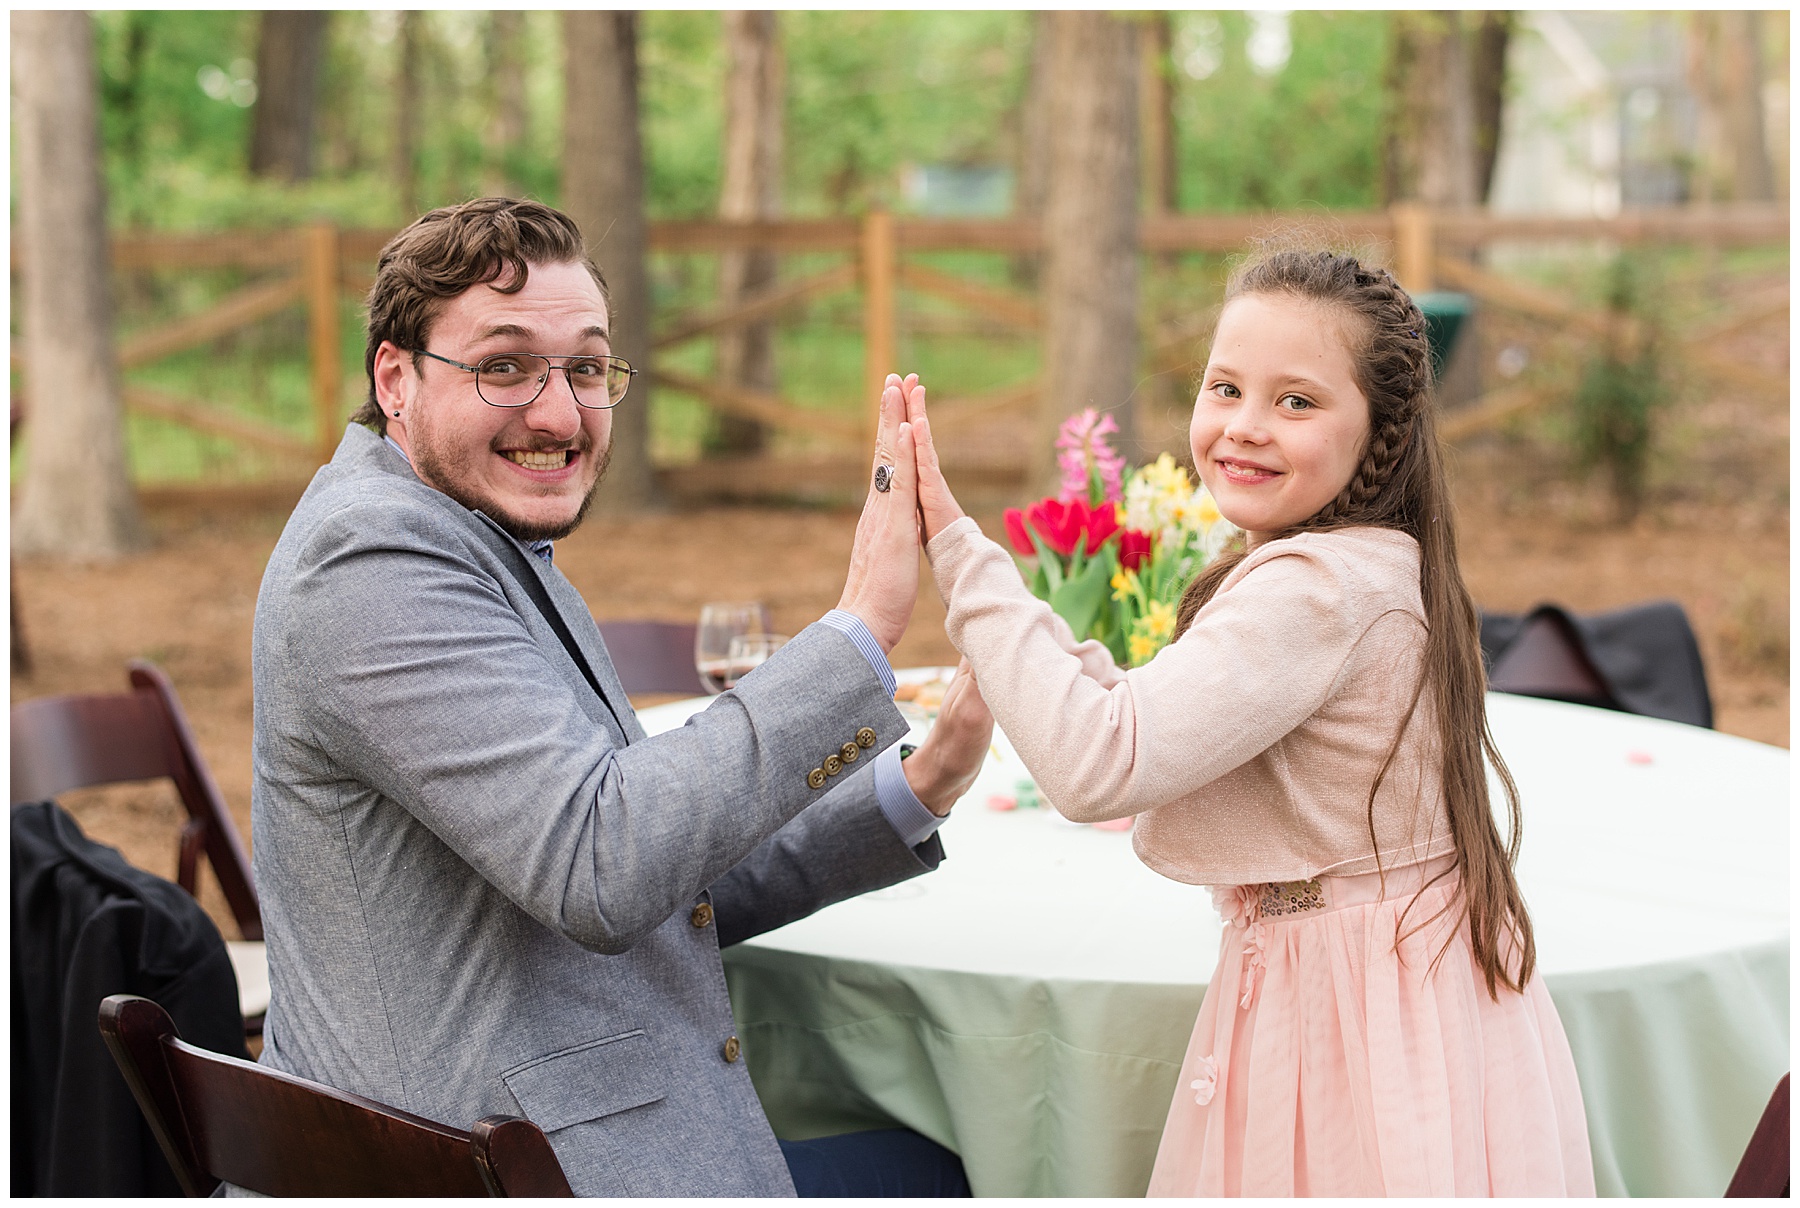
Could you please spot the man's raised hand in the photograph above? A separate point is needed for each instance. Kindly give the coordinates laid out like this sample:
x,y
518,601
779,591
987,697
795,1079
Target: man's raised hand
x,y
883,581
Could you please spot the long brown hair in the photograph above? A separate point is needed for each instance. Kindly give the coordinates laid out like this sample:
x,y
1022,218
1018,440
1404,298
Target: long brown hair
x,y
1400,484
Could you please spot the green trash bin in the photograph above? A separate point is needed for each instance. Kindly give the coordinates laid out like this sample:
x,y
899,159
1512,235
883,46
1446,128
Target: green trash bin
x,y
1445,315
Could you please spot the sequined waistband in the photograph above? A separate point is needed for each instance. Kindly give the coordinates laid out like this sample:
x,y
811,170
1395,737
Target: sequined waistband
x,y
1279,899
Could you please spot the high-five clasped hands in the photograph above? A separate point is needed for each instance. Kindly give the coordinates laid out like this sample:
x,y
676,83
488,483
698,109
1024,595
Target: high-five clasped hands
x,y
883,584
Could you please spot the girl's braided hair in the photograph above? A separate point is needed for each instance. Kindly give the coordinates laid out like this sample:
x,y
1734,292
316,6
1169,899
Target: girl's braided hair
x,y
1399,483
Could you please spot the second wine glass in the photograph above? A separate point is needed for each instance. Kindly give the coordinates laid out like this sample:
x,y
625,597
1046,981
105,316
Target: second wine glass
x,y
719,623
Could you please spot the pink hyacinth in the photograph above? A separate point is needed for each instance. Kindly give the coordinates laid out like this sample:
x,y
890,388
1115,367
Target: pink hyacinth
x,y
1082,448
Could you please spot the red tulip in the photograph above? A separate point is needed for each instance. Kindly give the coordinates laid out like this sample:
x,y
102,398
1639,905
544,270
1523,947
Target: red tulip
x,y
1015,531
1134,548
1101,523
1063,525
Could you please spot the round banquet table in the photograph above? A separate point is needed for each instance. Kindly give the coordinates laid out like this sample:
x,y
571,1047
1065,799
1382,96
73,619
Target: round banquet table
x,y
1028,1003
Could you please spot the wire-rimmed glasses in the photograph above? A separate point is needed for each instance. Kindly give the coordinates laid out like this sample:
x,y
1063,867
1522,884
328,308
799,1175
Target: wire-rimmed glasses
x,y
515,379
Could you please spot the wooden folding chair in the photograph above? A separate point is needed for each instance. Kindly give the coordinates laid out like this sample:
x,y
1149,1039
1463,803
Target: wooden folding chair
x,y
61,743
219,1119
1762,1173
652,656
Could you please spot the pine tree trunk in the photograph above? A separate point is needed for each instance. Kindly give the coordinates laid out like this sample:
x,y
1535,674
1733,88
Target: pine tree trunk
x,y
1432,146
603,191
406,115
750,188
1090,230
77,500
1033,168
290,49
1160,178
1752,175
507,114
1493,32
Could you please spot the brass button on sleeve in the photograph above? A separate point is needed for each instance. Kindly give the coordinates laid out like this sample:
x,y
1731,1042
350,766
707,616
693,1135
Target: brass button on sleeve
x,y
702,916
815,779
848,752
832,765
732,1048
865,738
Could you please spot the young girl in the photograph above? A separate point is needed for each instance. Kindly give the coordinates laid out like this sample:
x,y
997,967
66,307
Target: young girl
x,y
1311,747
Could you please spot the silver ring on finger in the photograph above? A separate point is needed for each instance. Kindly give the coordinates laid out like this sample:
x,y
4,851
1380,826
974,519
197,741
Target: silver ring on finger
x,y
884,478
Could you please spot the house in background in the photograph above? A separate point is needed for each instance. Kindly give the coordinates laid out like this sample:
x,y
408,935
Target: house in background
x,y
1608,110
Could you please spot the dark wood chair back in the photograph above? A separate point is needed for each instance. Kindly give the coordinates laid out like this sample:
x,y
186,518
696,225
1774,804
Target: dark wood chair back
x,y
61,743
652,656
1763,1172
220,1119
1546,659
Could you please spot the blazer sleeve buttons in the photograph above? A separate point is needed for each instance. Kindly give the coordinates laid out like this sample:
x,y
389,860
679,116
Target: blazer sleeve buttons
x,y
702,915
815,779
832,765
865,738
732,1048
848,752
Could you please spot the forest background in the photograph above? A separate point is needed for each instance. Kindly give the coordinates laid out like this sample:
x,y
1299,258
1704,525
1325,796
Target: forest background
x,y
1305,113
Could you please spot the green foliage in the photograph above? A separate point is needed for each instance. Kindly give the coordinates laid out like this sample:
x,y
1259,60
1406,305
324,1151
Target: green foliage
x,y
870,91
1308,134
1622,388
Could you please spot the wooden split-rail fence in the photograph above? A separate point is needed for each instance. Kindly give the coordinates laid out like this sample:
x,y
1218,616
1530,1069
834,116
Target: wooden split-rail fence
x,y
317,267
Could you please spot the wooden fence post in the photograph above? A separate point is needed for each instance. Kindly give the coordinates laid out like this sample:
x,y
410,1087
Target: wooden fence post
x,y
321,273
879,271
1413,249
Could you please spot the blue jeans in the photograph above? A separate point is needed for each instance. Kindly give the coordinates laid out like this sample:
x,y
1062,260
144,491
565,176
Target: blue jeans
x,y
887,1162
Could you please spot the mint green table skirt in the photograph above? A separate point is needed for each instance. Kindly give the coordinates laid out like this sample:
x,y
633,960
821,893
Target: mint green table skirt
x,y
1060,1087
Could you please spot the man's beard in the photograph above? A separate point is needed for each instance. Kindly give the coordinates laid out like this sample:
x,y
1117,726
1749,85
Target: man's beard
x,y
433,471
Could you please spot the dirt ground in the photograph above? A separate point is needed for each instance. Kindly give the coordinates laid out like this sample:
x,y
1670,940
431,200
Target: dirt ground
x,y
187,602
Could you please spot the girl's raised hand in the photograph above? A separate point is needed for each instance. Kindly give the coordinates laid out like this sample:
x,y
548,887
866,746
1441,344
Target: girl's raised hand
x,y
937,506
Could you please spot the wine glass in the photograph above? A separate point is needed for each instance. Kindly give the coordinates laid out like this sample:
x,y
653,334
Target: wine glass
x,y
719,623
747,652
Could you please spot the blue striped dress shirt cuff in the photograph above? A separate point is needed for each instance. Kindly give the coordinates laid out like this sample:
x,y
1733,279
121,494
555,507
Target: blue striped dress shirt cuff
x,y
852,627
899,805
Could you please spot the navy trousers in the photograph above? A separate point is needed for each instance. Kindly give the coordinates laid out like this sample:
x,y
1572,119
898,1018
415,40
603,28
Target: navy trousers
x,y
884,1163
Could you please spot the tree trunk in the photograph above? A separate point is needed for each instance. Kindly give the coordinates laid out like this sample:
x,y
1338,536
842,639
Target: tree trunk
x,y
77,500
290,49
1493,31
755,89
507,114
406,115
1090,230
1160,180
1752,175
1432,144
1032,180
603,191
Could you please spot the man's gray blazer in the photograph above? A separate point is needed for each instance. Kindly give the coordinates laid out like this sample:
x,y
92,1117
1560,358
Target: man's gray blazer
x,y
484,890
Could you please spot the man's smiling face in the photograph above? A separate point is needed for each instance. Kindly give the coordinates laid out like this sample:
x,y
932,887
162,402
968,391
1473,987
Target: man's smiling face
x,y
532,469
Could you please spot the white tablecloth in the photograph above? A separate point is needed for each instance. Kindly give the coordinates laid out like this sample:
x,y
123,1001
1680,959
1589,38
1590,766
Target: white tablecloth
x,y
1654,863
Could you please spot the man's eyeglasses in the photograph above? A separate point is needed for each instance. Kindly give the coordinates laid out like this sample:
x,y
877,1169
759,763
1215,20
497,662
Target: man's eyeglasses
x,y
515,379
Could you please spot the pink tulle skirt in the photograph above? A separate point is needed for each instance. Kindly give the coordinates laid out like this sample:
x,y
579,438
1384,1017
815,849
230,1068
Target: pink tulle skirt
x,y
1330,1059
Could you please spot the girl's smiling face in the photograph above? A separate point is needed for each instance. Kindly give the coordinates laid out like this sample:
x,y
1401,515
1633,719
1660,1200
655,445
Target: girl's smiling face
x,y
1280,423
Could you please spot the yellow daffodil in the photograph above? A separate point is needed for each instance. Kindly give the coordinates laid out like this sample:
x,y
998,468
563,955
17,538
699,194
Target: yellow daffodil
x,y
1141,649
1124,585
1159,621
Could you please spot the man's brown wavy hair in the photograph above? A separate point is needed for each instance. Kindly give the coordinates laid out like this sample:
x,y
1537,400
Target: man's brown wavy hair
x,y
445,252
1400,484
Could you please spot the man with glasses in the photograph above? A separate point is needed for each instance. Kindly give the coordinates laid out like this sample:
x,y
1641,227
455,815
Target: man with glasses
x,y
484,889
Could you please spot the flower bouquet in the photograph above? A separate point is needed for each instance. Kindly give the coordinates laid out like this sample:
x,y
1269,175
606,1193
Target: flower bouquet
x,y
1113,550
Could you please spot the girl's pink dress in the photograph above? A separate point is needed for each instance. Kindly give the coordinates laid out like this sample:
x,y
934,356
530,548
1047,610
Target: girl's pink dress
x,y
1330,1060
